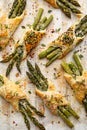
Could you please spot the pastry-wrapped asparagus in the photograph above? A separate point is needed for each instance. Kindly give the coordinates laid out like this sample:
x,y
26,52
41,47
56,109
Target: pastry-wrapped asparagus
x,y
55,102
9,23
30,40
65,42
66,6
16,96
77,79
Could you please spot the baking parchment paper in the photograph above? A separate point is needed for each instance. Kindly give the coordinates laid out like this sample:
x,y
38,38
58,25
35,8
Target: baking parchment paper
x,y
11,120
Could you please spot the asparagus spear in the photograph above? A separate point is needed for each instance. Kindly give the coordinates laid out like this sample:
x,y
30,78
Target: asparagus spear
x,y
13,8
78,63
22,7
24,101
53,59
17,8
85,32
33,119
17,56
46,52
41,23
41,82
74,2
82,30
10,66
8,58
1,81
72,112
29,113
83,21
33,79
41,75
53,53
66,68
74,69
48,21
64,111
19,62
64,8
68,122
19,51
25,117
38,17
69,5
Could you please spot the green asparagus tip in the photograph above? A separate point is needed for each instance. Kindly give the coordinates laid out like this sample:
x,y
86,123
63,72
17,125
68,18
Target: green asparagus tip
x,y
78,62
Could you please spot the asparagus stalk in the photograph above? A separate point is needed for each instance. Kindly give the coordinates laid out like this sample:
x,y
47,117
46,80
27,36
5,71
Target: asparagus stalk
x,y
33,119
48,21
69,5
68,122
64,8
38,17
82,30
22,7
66,68
10,66
78,63
13,8
74,2
8,58
32,107
64,111
19,62
30,115
41,82
1,81
19,52
53,53
83,21
46,52
72,112
41,75
41,23
34,80
17,8
53,59
74,69
85,32
25,118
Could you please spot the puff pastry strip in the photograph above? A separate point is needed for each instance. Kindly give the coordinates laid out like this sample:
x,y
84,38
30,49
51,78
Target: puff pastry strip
x,y
9,23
